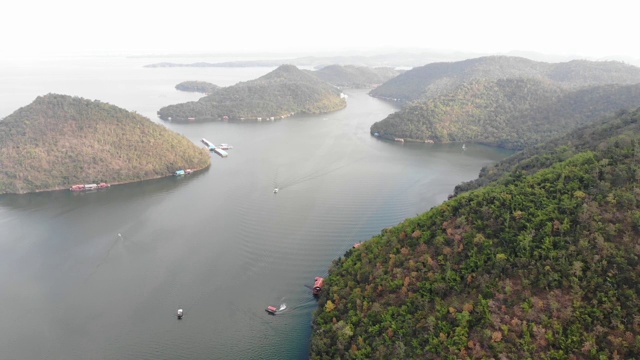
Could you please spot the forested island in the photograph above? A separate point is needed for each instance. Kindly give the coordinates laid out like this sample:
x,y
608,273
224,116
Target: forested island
x,y
58,141
539,261
197,86
510,113
285,91
503,101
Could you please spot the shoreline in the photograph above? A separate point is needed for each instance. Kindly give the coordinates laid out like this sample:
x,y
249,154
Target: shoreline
x,y
110,184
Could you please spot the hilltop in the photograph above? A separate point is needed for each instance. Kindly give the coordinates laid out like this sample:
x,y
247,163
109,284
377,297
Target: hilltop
x,y
439,78
285,91
59,140
511,113
355,77
541,263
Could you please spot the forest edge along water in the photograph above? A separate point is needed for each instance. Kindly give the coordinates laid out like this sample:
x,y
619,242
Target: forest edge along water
x,y
102,274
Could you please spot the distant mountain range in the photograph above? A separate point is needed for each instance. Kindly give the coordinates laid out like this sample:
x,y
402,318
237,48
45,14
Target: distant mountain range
x,y
285,91
396,59
435,79
355,77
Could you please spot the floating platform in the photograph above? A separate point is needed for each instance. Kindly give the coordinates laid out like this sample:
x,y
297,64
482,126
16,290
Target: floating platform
x,y
209,144
220,152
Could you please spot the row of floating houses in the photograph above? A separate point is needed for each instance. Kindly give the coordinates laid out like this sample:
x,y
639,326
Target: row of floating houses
x,y
227,118
87,187
220,150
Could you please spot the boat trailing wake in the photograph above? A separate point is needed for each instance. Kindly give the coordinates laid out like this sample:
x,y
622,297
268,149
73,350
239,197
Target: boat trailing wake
x,y
311,176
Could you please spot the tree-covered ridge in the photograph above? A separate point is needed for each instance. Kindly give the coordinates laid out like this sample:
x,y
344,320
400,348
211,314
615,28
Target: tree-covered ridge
x,y
435,79
510,113
197,86
540,266
355,77
58,141
534,158
286,90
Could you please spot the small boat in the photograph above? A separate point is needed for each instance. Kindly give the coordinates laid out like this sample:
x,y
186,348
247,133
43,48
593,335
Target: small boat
x,y
317,286
275,191
464,147
180,314
271,310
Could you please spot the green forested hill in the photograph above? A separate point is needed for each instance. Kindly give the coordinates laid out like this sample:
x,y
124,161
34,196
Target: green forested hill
x,y
355,77
543,264
510,113
286,90
58,141
534,158
435,79
197,86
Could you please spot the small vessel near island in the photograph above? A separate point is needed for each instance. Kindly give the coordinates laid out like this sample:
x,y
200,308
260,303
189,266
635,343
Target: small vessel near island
x,y
317,286
271,310
183,172
464,147
87,187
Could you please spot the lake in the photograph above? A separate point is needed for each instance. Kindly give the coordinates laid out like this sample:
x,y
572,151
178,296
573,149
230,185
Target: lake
x,y
100,275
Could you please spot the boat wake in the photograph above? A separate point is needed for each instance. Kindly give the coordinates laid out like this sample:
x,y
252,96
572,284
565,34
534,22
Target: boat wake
x,y
283,307
313,175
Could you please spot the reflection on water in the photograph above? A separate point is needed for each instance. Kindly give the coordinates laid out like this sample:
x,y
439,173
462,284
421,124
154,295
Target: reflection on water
x,y
102,274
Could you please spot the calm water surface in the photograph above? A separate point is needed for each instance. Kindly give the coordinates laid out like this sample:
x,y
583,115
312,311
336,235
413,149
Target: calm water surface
x,y
100,275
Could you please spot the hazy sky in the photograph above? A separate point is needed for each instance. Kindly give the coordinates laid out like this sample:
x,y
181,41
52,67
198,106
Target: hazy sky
x,y
585,28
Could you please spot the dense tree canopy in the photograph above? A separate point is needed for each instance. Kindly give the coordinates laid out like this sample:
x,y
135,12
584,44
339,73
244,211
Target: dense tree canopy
x,y
542,263
286,90
59,140
510,113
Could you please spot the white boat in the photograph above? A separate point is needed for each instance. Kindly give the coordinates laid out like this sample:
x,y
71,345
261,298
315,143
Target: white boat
x,y
180,314
275,191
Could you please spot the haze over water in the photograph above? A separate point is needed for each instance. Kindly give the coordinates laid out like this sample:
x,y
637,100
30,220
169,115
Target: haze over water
x,y
100,275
